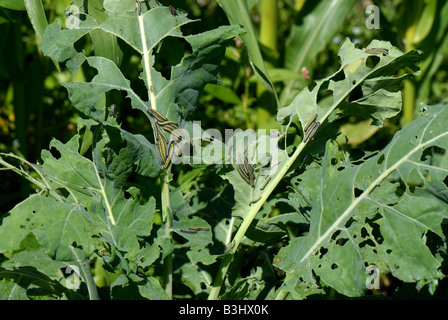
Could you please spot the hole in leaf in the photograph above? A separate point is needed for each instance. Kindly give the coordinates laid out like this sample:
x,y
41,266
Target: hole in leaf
x,y
333,161
170,53
368,242
311,85
349,223
426,155
341,241
55,153
334,266
357,192
335,235
341,168
364,232
388,251
339,76
414,140
372,61
322,252
445,181
380,159
355,94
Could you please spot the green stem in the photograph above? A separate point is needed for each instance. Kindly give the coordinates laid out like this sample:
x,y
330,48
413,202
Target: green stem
x,y
167,218
268,38
256,207
146,62
268,24
282,295
408,101
86,274
214,293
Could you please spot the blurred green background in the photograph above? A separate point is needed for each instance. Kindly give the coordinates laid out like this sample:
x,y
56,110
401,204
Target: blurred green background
x,y
299,41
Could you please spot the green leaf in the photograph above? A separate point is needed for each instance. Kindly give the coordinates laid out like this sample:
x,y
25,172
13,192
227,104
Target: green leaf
x,y
95,203
106,44
87,96
171,97
368,88
13,4
56,225
357,218
238,13
308,39
24,276
37,16
261,151
196,70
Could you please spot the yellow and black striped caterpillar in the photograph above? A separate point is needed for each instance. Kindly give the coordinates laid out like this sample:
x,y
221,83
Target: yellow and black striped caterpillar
x,y
246,170
164,149
310,129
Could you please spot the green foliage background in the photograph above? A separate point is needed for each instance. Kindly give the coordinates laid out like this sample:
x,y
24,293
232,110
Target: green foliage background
x,y
35,108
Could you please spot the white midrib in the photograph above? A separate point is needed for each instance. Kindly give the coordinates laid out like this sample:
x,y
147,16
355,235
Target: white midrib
x,y
104,194
348,211
146,62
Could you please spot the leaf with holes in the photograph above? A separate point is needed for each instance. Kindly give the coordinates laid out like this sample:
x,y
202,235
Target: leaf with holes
x,y
365,85
359,218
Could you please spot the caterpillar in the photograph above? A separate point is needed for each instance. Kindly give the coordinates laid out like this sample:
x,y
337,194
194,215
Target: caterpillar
x,y
156,115
309,123
169,155
139,7
199,228
188,231
255,201
265,183
173,10
377,51
311,128
230,247
246,170
312,131
161,149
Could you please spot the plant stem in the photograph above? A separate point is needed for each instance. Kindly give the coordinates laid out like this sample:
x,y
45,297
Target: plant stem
x,y
146,62
408,101
255,208
214,293
167,218
86,274
268,38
